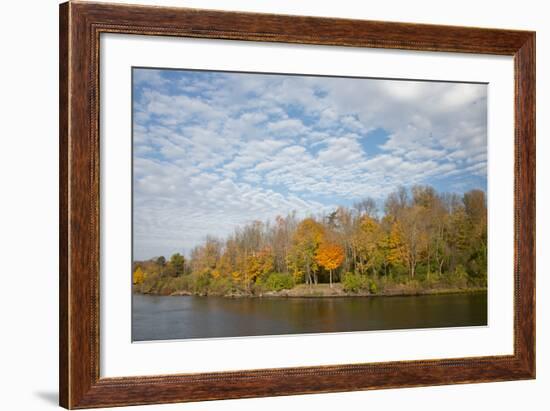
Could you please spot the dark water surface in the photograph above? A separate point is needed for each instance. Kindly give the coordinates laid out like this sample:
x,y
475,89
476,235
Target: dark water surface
x,y
164,318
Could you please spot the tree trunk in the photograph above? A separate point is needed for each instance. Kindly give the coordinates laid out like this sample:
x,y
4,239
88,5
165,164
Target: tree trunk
x,y
330,277
429,262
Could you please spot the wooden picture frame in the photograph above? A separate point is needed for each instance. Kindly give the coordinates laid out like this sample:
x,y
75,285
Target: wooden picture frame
x,y
80,27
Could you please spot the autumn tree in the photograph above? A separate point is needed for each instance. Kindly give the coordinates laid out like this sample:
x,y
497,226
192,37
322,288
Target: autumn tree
x,y
306,240
205,258
138,276
395,244
431,218
258,265
384,245
419,231
367,243
343,228
281,239
396,202
457,237
413,237
366,206
329,256
227,263
475,207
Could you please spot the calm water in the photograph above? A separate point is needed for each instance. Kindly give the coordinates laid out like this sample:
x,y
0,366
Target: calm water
x,y
164,318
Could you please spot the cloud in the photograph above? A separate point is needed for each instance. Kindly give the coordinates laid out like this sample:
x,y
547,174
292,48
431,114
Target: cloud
x,y
213,151
340,151
150,77
287,127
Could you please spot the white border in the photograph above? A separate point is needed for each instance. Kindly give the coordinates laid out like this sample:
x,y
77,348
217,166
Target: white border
x,y
119,357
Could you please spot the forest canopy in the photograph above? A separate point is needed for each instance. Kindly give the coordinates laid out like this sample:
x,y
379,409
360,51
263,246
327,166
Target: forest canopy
x,y
419,240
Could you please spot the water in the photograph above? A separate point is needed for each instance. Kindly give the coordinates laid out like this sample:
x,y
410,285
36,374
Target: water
x,y
164,318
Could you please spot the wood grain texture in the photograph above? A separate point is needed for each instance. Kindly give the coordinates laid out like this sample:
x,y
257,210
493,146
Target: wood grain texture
x,y
63,205
525,203
80,27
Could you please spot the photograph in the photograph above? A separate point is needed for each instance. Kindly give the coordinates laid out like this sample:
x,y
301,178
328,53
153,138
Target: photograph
x,y
275,205
285,203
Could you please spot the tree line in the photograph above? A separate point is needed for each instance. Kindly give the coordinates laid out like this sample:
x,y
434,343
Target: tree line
x,y
420,237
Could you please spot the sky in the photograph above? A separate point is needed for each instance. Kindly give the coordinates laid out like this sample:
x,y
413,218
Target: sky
x,y
213,151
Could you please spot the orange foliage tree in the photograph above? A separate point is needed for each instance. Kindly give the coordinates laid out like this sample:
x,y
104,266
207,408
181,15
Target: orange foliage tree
x,y
329,256
418,229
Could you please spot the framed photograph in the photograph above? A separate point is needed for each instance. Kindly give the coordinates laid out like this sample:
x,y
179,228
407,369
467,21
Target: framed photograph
x,y
259,205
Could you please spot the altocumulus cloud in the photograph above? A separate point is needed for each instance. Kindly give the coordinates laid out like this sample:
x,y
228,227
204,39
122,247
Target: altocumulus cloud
x,y
213,151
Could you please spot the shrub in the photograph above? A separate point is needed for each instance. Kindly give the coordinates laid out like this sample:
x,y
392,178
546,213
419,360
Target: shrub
x,y
202,282
150,284
279,281
459,278
430,282
181,283
354,283
220,286
373,288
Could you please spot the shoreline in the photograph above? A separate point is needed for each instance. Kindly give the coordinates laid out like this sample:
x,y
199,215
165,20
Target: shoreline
x,y
327,292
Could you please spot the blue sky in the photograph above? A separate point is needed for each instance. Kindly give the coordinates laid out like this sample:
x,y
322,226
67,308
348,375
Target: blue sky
x,y
214,151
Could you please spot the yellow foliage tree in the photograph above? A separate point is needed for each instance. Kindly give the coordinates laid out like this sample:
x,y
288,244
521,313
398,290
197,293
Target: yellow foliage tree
x,y
412,237
329,256
306,241
366,241
216,273
139,276
395,244
258,264
236,277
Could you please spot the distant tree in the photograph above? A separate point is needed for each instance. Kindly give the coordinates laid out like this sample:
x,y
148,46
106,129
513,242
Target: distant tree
x,y
332,219
228,260
396,202
419,231
258,265
177,264
395,245
161,261
476,211
413,237
344,233
138,277
281,239
459,237
329,256
475,206
424,196
307,238
206,257
366,206
367,242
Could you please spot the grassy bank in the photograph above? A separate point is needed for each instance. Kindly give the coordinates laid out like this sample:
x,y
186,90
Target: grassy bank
x,y
282,286
324,290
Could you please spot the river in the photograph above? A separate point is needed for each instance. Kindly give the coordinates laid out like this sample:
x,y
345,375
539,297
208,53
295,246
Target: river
x,y
180,317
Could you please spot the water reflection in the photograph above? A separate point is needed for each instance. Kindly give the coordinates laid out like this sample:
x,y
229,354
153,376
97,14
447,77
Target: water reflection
x,y
164,318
